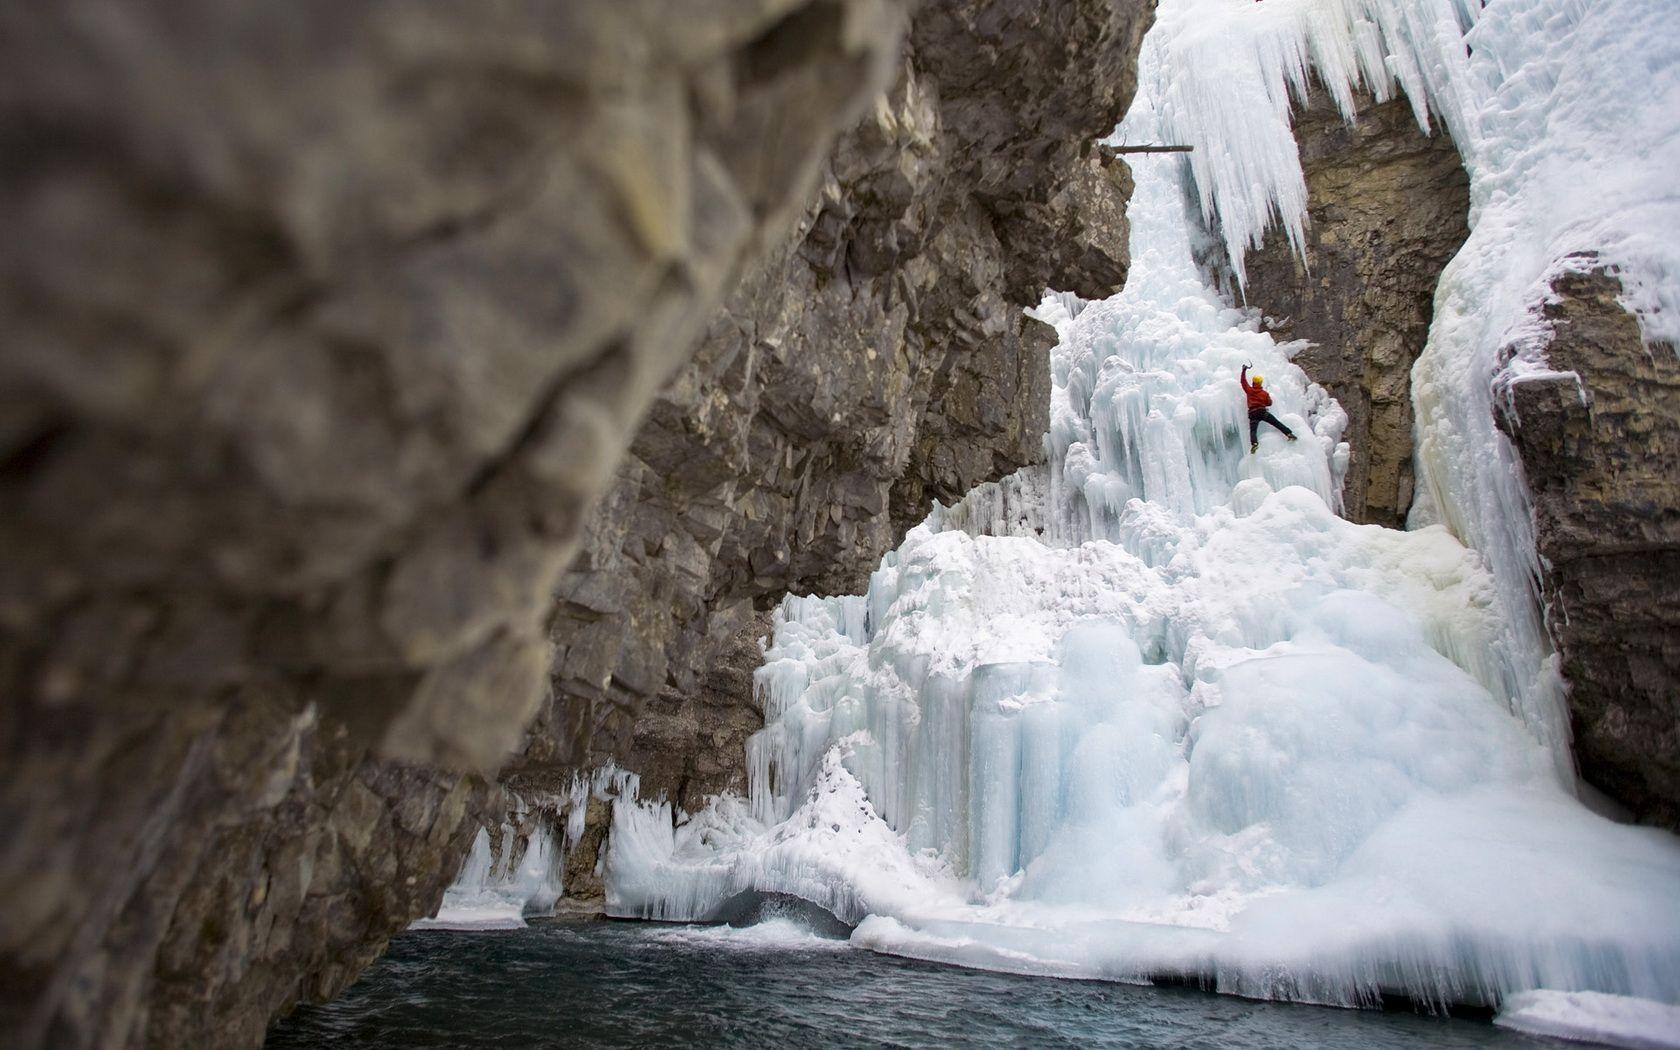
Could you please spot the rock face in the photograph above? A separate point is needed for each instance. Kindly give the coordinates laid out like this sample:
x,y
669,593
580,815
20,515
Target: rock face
x,y
877,361
1600,446
1387,209
326,326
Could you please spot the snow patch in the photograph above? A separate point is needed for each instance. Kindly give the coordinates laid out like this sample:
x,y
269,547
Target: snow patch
x,y
1593,1017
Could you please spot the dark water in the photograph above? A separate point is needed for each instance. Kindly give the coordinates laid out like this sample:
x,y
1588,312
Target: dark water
x,y
577,984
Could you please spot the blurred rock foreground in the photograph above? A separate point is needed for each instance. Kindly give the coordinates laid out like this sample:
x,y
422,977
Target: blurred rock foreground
x,y
327,326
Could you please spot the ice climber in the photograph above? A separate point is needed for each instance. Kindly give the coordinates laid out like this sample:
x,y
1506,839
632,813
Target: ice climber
x,y
1259,408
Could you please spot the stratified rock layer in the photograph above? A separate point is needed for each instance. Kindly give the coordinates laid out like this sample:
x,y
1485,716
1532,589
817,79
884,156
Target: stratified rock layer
x,y
1386,210
877,361
1600,445
326,325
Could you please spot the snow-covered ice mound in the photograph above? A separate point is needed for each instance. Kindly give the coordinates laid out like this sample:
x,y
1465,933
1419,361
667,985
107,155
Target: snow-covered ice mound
x,y
1064,761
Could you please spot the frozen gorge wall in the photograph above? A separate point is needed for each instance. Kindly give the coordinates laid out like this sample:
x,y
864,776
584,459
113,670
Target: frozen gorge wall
x,y
1157,709
542,848
1228,87
1554,194
1568,291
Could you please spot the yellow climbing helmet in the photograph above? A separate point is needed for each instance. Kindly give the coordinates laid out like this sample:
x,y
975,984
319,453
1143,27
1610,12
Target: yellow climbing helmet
x,y
1257,379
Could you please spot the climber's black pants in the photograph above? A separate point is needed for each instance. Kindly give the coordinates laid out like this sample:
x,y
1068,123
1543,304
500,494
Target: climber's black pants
x,y
1255,417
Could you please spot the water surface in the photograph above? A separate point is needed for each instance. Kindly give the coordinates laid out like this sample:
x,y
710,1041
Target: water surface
x,y
604,984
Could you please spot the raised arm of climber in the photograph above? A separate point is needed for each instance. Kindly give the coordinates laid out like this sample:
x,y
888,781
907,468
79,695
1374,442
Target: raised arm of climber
x,y
1259,408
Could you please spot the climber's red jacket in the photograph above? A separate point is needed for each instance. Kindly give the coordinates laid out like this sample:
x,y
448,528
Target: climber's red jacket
x,y
1257,396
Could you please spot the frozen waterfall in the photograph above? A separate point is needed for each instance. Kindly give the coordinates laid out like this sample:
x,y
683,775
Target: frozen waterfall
x,y
1157,709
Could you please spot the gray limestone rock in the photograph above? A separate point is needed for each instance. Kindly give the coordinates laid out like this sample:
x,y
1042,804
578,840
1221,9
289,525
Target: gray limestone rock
x,y
328,327
1600,447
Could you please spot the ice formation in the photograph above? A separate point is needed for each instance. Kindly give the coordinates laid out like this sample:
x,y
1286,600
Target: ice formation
x,y
502,884
1156,709
1226,80
516,873
1593,1017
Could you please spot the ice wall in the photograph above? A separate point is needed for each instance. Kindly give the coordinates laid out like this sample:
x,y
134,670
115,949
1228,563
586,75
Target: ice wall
x,y
1145,401
1158,709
